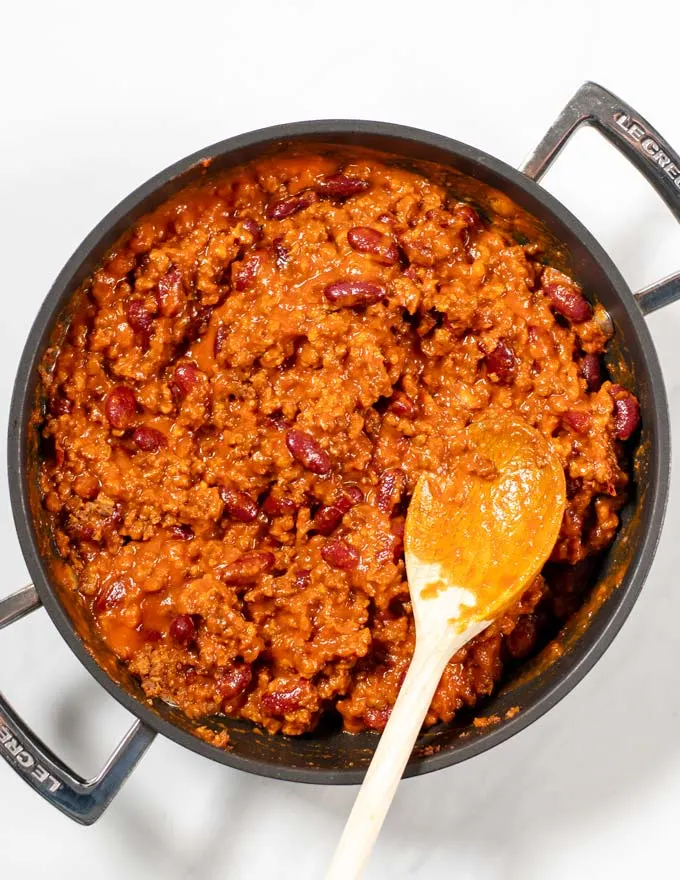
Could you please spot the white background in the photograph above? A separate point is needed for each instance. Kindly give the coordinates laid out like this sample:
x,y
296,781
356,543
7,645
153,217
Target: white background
x,y
95,98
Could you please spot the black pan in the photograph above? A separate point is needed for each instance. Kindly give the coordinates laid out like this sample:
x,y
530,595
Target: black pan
x,y
334,757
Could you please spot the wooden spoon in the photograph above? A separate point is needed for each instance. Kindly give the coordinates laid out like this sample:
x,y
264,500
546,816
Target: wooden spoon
x,y
475,539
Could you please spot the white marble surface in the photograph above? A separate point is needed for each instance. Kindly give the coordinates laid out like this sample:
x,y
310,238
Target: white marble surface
x,y
97,97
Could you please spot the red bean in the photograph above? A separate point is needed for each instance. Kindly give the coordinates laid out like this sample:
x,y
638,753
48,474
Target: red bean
x,y
352,495
327,519
182,532
169,291
391,487
402,405
565,296
239,505
578,420
354,292
626,416
369,241
107,599
148,439
281,253
245,272
274,506
377,718
283,208
248,568
183,630
289,699
234,681
340,186
252,227
468,215
339,554
138,318
591,370
60,405
306,450
502,362
120,407
185,378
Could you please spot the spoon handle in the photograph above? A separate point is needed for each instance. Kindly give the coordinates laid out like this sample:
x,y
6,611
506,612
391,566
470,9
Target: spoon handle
x,y
389,760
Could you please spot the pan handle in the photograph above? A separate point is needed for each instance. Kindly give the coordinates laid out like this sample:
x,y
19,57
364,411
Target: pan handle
x,y
81,800
639,142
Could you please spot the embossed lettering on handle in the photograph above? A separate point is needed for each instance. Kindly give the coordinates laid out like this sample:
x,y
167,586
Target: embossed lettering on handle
x,y
81,800
24,760
642,145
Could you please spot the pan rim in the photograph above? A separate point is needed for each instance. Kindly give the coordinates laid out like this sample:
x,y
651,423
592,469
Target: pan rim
x,y
588,651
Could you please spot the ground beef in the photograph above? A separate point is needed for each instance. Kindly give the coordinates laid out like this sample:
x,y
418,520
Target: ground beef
x,y
247,393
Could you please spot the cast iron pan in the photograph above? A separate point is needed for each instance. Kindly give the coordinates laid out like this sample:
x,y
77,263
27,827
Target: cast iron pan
x,y
332,757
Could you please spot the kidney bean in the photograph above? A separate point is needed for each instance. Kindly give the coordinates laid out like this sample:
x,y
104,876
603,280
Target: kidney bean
x,y
402,405
366,240
234,681
287,700
138,318
577,419
626,416
169,291
565,296
238,505
107,599
502,362
339,554
248,568
252,227
352,495
185,378
183,630
283,208
340,186
306,450
198,321
148,439
591,370
302,578
391,487
60,405
182,532
245,272
327,519
281,253
469,216
377,718
354,293
274,506
79,530
523,637
120,406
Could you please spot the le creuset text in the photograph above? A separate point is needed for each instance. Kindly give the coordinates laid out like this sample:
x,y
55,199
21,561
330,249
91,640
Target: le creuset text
x,y
25,760
637,134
